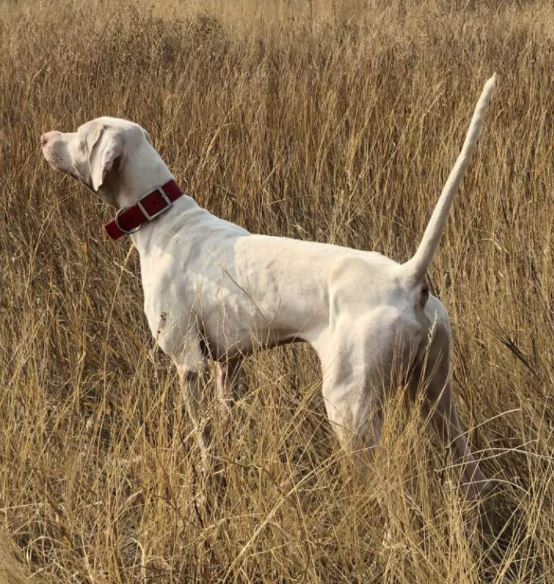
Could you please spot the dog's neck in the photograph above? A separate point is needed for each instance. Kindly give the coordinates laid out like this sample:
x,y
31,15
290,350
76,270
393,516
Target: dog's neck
x,y
138,175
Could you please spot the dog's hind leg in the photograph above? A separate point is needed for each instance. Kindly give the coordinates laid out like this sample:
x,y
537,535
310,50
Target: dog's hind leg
x,y
352,396
355,418
434,379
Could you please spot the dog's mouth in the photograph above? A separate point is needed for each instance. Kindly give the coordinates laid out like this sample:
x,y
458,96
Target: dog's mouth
x,y
56,162
53,158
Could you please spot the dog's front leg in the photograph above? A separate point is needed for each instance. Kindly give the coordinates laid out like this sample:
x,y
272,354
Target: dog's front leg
x,y
230,383
191,380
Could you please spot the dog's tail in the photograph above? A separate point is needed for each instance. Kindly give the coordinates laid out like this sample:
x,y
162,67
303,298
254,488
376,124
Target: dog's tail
x,y
416,268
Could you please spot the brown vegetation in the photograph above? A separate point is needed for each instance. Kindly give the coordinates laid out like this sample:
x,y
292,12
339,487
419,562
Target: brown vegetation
x,y
333,121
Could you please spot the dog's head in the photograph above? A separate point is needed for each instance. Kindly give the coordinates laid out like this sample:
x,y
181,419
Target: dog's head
x,y
108,155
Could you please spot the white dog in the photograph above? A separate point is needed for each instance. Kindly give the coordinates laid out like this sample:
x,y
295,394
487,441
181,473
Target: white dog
x,y
214,290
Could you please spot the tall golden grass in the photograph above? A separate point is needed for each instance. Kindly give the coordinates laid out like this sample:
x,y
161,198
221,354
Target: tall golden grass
x,y
333,121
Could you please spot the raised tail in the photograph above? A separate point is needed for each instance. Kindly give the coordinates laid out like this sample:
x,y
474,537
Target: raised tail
x,y
416,267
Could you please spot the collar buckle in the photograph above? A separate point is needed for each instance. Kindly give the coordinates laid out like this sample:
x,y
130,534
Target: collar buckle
x,y
168,203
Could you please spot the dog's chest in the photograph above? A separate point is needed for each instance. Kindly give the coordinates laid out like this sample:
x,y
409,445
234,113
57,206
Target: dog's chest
x,y
194,291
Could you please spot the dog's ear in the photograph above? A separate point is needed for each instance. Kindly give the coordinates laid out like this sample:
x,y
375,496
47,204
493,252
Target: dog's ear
x,y
105,153
148,138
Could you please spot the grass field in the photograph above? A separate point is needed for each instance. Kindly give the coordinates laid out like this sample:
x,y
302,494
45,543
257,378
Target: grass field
x,y
332,121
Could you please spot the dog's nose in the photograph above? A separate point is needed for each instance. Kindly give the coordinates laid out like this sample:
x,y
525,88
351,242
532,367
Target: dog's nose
x,y
45,138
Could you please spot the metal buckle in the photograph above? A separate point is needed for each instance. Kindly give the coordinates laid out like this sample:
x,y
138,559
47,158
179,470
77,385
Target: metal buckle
x,y
116,221
153,216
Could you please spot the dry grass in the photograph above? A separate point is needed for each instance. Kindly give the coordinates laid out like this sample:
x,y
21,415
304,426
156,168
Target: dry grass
x,y
321,120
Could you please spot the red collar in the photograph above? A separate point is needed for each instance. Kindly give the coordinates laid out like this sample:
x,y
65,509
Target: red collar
x,y
129,219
